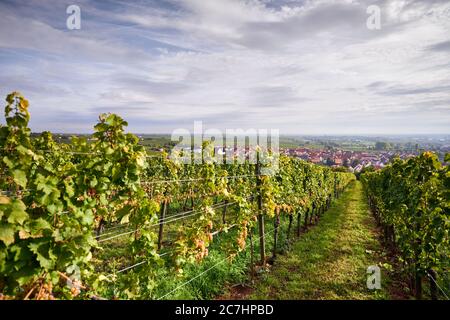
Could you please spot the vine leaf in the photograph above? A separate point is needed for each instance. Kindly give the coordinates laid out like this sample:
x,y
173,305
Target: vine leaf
x,y
17,214
43,254
4,200
6,233
20,178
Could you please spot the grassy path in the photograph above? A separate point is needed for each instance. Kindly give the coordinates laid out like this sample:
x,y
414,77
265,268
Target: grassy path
x,y
330,260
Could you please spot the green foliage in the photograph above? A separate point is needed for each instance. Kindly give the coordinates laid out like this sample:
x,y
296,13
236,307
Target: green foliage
x,y
411,198
379,145
55,195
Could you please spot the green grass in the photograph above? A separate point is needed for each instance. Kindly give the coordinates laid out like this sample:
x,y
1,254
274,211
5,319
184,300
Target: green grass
x,y
331,259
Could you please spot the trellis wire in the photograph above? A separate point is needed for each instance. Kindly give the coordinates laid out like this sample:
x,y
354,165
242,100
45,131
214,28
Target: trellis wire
x,y
198,179
206,271
162,222
167,218
134,265
437,285
162,254
221,230
126,224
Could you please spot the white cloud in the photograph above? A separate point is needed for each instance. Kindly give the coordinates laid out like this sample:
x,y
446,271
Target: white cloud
x,y
301,66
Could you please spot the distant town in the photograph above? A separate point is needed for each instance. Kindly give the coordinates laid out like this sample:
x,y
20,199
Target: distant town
x,y
356,153
355,161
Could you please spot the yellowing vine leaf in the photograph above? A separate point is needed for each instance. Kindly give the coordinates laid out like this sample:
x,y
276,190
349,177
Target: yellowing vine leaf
x,y
20,178
6,233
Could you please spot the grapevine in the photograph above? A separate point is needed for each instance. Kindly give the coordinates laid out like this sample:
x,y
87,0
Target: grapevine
x,y
57,199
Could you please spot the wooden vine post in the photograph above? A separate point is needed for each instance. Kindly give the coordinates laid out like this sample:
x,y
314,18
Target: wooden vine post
x,y
252,264
162,216
308,211
288,233
312,213
224,212
262,243
276,224
335,188
417,246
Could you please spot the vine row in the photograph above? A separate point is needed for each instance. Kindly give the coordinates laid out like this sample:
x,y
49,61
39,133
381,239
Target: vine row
x,y
57,199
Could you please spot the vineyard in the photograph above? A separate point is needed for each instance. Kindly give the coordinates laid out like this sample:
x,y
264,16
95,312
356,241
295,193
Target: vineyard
x,y
411,202
101,218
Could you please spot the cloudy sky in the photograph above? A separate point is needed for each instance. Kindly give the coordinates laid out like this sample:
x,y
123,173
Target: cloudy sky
x,y
306,67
